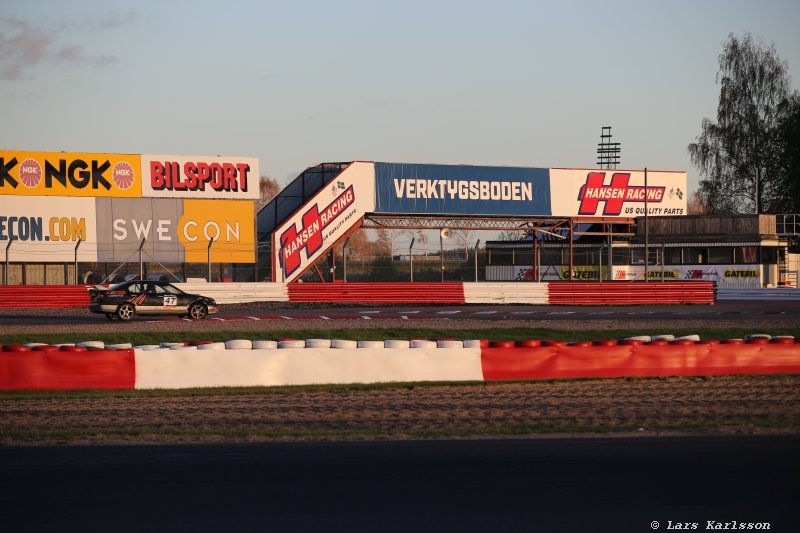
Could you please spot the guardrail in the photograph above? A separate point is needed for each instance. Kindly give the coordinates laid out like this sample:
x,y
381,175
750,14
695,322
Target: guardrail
x,y
557,293
766,295
505,293
422,292
235,293
625,293
44,296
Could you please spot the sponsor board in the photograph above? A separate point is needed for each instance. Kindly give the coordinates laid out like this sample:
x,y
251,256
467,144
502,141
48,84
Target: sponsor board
x,y
176,230
323,220
48,229
229,223
200,177
724,275
466,190
617,193
70,174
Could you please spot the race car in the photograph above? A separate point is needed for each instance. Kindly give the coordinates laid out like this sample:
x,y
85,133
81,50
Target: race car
x,y
125,300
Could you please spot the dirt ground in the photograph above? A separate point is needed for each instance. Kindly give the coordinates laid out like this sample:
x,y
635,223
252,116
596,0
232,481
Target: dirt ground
x,y
663,406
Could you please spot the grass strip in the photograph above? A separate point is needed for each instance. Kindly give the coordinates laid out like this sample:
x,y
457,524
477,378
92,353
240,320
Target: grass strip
x,y
493,334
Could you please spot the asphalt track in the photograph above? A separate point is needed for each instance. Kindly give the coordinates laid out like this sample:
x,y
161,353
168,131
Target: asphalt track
x,y
586,485
742,311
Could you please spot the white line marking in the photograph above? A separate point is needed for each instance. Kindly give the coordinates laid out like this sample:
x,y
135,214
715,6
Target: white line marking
x,y
324,317
448,312
287,317
485,312
253,318
561,313
369,312
367,317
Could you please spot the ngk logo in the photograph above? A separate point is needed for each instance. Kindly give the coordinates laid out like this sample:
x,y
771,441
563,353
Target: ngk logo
x,y
310,236
614,194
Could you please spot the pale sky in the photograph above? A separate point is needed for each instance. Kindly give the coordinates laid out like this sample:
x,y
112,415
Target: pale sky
x,y
296,83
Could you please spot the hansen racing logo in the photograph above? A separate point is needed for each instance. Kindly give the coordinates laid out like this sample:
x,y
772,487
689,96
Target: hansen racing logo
x,y
310,236
615,194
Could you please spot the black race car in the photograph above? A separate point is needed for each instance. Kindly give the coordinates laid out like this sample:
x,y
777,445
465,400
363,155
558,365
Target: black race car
x,y
124,300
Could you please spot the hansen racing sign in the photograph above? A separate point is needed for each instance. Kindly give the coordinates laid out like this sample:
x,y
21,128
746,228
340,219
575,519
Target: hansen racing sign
x,y
326,218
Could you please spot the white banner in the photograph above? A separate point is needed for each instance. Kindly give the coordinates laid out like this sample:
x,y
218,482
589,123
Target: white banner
x,y
180,176
616,193
48,228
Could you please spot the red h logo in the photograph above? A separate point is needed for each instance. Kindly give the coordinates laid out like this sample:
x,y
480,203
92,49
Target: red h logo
x,y
310,236
615,194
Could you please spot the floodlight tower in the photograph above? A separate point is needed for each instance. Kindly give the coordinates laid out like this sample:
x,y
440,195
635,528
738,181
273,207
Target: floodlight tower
x,y
607,151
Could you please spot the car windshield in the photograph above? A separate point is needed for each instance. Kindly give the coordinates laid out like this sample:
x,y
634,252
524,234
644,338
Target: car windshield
x,y
118,286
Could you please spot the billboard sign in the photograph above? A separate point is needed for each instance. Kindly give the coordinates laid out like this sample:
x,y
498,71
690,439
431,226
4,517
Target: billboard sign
x,y
617,193
176,230
233,178
69,174
323,220
48,229
465,190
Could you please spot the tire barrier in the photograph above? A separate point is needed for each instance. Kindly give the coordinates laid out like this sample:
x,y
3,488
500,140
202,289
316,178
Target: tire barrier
x,y
243,362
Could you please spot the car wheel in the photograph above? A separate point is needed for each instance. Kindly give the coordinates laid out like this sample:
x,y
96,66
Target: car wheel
x,y
126,311
197,311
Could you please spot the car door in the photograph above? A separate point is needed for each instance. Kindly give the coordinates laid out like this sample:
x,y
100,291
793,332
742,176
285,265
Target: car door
x,y
162,301
137,295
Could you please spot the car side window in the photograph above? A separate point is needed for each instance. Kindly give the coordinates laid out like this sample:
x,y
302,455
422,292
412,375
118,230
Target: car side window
x,y
136,288
158,289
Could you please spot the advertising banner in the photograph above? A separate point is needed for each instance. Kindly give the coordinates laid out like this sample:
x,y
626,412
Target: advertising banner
x,y
178,176
744,276
617,193
70,174
176,230
229,223
323,220
47,229
461,190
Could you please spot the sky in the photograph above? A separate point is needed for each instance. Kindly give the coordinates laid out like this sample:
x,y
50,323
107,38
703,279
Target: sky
x,y
296,83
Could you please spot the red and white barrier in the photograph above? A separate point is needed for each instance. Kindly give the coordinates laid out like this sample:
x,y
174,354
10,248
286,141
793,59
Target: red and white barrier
x,y
558,293
286,362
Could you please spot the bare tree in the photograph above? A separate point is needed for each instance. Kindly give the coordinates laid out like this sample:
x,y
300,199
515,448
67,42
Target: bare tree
x,y
267,189
510,235
696,204
739,154
464,237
